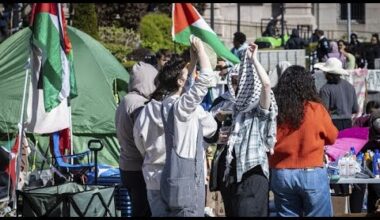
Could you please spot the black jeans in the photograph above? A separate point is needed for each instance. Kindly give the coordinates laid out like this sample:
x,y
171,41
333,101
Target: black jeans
x,y
226,191
357,198
251,196
373,196
135,183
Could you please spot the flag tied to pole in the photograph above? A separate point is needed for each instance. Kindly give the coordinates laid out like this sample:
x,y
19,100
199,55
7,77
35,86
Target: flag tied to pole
x,y
50,36
52,79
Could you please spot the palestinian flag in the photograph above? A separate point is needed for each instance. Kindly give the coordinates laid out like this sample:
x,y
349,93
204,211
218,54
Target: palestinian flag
x,y
187,21
56,72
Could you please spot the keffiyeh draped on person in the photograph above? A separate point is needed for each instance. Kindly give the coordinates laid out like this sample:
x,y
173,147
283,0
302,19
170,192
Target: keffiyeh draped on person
x,y
246,110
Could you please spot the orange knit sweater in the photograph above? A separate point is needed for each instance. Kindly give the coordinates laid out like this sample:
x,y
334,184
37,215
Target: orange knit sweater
x,y
304,147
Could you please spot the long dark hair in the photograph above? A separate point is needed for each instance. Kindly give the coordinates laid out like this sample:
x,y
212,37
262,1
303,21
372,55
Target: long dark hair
x,y
166,81
347,48
295,87
332,78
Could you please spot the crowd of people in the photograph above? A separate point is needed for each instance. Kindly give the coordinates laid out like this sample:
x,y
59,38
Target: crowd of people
x,y
270,135
352,55
270,129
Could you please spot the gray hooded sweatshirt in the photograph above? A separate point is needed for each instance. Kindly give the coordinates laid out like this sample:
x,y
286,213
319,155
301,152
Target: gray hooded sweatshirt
x,y
140,88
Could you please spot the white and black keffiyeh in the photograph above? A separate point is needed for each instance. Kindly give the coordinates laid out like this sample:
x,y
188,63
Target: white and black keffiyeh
x,y
232,72
247,99
248,94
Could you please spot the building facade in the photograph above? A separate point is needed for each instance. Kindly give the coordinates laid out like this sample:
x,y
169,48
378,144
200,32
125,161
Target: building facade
x,y
330,17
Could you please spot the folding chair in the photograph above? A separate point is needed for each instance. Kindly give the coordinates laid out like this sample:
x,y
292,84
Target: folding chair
x,y
76,171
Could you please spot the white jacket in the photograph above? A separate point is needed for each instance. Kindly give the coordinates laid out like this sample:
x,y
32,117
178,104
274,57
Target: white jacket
x,y
188,117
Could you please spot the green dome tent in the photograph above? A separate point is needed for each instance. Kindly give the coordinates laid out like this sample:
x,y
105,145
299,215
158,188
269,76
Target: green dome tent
x,y
93,111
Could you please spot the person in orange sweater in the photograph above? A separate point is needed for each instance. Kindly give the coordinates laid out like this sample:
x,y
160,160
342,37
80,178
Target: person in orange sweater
x,y
299,179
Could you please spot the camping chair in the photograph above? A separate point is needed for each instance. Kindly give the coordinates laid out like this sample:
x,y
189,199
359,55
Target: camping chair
x,y
77,171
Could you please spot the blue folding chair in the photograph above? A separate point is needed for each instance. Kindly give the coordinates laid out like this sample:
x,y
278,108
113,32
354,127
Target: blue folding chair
x,y
77,171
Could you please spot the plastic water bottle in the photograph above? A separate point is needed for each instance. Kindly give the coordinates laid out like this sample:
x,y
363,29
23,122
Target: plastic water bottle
x,y
352,151
375,162
342,164
351,162
360,159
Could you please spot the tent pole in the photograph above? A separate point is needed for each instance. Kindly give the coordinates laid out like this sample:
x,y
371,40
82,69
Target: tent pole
x,y
348,22
20,134
71,134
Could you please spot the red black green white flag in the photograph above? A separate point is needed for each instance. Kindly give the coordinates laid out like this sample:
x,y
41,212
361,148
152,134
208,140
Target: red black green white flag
x,y
186,21
52,80
50,37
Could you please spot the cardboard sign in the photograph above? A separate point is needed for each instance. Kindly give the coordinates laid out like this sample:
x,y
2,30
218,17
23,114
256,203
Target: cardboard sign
x,y
373,80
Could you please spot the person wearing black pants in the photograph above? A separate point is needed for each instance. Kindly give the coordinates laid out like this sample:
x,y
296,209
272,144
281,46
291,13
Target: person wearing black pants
x,y
141,86
223,102
357,198
254,184
373,196
236,195
225,190
135,184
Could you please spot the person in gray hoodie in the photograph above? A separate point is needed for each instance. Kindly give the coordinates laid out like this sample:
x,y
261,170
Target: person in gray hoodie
x,y
140,88
169,133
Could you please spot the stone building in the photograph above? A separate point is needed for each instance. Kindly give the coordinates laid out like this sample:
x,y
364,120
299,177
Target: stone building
x,y
330,17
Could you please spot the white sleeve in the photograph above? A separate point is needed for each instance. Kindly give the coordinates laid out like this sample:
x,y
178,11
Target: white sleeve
x,y
190,100
207,121
138,137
